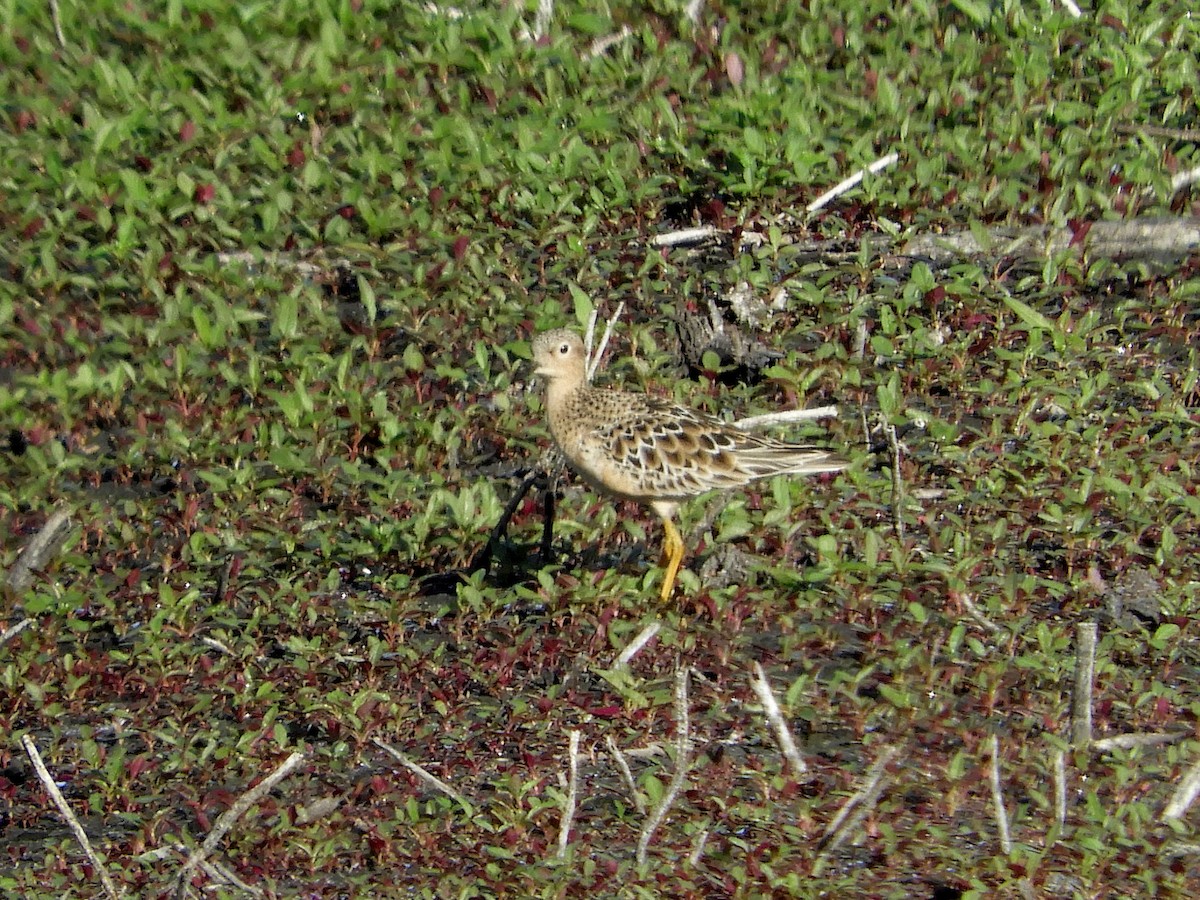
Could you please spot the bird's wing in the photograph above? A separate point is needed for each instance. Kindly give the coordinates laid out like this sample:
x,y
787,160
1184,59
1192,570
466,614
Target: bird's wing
x,y
652,449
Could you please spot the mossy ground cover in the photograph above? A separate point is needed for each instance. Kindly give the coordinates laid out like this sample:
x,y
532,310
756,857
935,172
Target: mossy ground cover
x,y
269,276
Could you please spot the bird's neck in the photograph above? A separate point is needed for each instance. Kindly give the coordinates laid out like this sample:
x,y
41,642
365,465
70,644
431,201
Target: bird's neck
x,y
559,394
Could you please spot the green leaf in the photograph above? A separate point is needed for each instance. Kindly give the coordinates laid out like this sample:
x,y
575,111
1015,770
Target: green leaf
x,y
1027,314
583,304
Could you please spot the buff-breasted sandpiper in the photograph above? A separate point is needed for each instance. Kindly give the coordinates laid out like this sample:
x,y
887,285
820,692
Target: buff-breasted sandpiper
x,y
653,451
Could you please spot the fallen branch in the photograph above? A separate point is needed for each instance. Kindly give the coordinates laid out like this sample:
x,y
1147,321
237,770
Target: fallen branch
x,y
1150,240
1144,739
38,551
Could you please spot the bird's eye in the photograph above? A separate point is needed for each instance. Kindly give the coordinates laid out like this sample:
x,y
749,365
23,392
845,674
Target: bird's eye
x,y
564,349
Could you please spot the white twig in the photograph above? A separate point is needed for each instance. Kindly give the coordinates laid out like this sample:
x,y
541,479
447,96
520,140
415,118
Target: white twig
x,y
1129,741
977,614
110,888
635,646
855,809
39,550
684,236
1081,700
1185,794
841,188
1060,788
216,645
589,339
541,20
691,12
594,360
698,849
56,18
564,828
1070,7
428,777
10,633
229,818
603,44
860,340
453,13
783,734
788,416
623,767
897,480
683,749
1182,179
222,874
998,798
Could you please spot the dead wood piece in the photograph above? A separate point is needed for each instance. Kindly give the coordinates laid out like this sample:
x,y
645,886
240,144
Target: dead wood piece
x,y
1161,240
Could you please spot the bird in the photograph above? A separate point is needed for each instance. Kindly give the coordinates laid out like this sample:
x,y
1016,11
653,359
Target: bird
x,y
652,451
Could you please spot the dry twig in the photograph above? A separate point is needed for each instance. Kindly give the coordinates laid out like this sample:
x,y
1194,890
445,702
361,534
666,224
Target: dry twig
x,y
38,550
110,888
593,365
426,776
783,734
1185,794
1144,739
603,44
228,819
1081,700
851,182
684,236
788,416
626,775
855,809
564,828
10,633
998,798
1060,788
56,18
683,749
978,615
635,646
897,480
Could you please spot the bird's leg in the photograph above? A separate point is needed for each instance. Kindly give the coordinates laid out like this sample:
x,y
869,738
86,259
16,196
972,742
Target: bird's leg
x,y
672,557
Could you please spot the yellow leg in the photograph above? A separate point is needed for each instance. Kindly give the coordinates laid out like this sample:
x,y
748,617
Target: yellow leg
x,y
672,557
